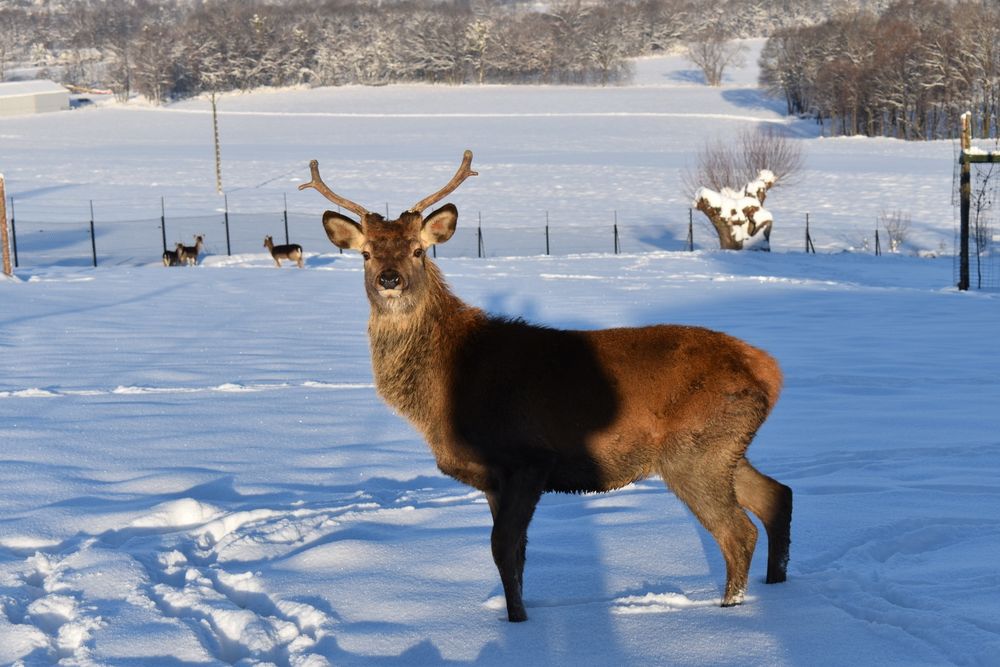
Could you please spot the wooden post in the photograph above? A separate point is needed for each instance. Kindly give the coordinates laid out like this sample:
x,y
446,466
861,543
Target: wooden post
x,y
965,159
218,152
4,240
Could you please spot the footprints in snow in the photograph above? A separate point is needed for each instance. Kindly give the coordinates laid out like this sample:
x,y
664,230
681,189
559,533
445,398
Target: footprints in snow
x,y
41,614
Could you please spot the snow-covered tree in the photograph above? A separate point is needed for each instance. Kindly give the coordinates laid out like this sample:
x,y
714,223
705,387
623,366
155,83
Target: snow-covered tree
x,y
739,216
759,158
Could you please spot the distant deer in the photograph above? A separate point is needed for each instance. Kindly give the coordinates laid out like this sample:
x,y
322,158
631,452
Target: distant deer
x,y
174,257
191,252
516,410
292,252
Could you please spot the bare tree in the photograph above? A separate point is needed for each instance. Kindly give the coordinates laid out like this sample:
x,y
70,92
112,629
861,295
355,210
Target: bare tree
x,y
723,164
896,225
712,52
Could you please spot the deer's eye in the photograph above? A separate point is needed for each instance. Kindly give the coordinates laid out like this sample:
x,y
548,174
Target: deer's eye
x,y
367,255
419,252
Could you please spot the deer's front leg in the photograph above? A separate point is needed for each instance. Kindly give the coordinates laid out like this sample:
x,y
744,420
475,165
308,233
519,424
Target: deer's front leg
x,y
513,505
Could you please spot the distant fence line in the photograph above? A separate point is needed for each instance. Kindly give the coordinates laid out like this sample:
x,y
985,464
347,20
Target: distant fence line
x,y
38,241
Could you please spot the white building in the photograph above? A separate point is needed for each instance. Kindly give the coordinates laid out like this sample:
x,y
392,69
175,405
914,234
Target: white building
x,y
28,97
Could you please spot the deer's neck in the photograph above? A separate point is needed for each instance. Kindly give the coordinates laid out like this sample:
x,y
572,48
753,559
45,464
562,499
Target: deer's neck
x,y
411,353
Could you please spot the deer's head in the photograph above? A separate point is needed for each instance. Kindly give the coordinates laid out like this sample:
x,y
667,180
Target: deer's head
x,y
396,265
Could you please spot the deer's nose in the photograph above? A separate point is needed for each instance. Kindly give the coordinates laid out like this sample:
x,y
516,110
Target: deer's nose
x,y
390,279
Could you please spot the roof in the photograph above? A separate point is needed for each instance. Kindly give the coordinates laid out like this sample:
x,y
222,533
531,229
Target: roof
x,y
35,87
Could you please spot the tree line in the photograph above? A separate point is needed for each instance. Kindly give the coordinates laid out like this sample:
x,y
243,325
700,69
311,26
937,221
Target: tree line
x,y
909,72
170,49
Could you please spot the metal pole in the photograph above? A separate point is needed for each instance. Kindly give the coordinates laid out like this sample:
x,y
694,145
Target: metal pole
x,y
546,232
616,233
163,223
93,242
878,246
225,219
13,231
690,230
286,217
479,233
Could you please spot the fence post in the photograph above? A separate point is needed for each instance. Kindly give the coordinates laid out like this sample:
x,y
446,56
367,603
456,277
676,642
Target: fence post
x,y
286,217
617,247
809,241
13,232
878,246
546,233
479,234
163,223
965,202
225,220
3,230
93,241
690,230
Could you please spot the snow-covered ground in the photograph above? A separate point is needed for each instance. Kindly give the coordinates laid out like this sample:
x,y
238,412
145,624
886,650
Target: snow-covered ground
x,y
195,468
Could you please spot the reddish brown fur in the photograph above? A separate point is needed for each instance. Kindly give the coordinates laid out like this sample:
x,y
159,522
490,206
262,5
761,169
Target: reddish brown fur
x,y
516,410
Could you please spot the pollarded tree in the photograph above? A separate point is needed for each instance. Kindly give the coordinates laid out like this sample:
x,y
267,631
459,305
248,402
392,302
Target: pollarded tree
x,y
757,158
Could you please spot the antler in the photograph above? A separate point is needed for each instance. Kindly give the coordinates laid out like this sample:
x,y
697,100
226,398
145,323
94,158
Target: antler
x,y
317,184
463,173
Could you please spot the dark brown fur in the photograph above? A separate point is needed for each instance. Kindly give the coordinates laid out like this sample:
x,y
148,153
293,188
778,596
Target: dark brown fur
x,y
516,410
292,251
191,252
174,257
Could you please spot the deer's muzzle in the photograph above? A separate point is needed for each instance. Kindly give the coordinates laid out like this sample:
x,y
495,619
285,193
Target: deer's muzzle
x,y
390,279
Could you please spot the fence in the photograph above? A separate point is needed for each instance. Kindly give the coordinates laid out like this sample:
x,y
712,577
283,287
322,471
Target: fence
x,y
81,236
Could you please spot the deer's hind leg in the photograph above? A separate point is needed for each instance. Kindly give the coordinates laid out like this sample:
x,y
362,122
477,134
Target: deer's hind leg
x,y
771,501
704,482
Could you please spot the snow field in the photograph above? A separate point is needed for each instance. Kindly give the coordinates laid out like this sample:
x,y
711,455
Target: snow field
x,y
195,467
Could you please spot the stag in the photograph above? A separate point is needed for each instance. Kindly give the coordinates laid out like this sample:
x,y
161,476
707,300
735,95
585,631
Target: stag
x,y
516,410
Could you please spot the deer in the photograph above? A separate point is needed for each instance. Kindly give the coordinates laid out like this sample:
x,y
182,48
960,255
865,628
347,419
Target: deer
x,y
191,252
174,257
292,252
516,410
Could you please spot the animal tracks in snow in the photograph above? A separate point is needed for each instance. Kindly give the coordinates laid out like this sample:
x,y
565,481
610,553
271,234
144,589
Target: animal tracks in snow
x,y
196,565
42,615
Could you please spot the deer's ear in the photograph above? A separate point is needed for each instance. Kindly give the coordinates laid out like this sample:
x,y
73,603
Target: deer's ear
x,y
439,225
342,231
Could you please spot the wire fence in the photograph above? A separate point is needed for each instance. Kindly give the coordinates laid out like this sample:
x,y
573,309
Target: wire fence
x,y
52,237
